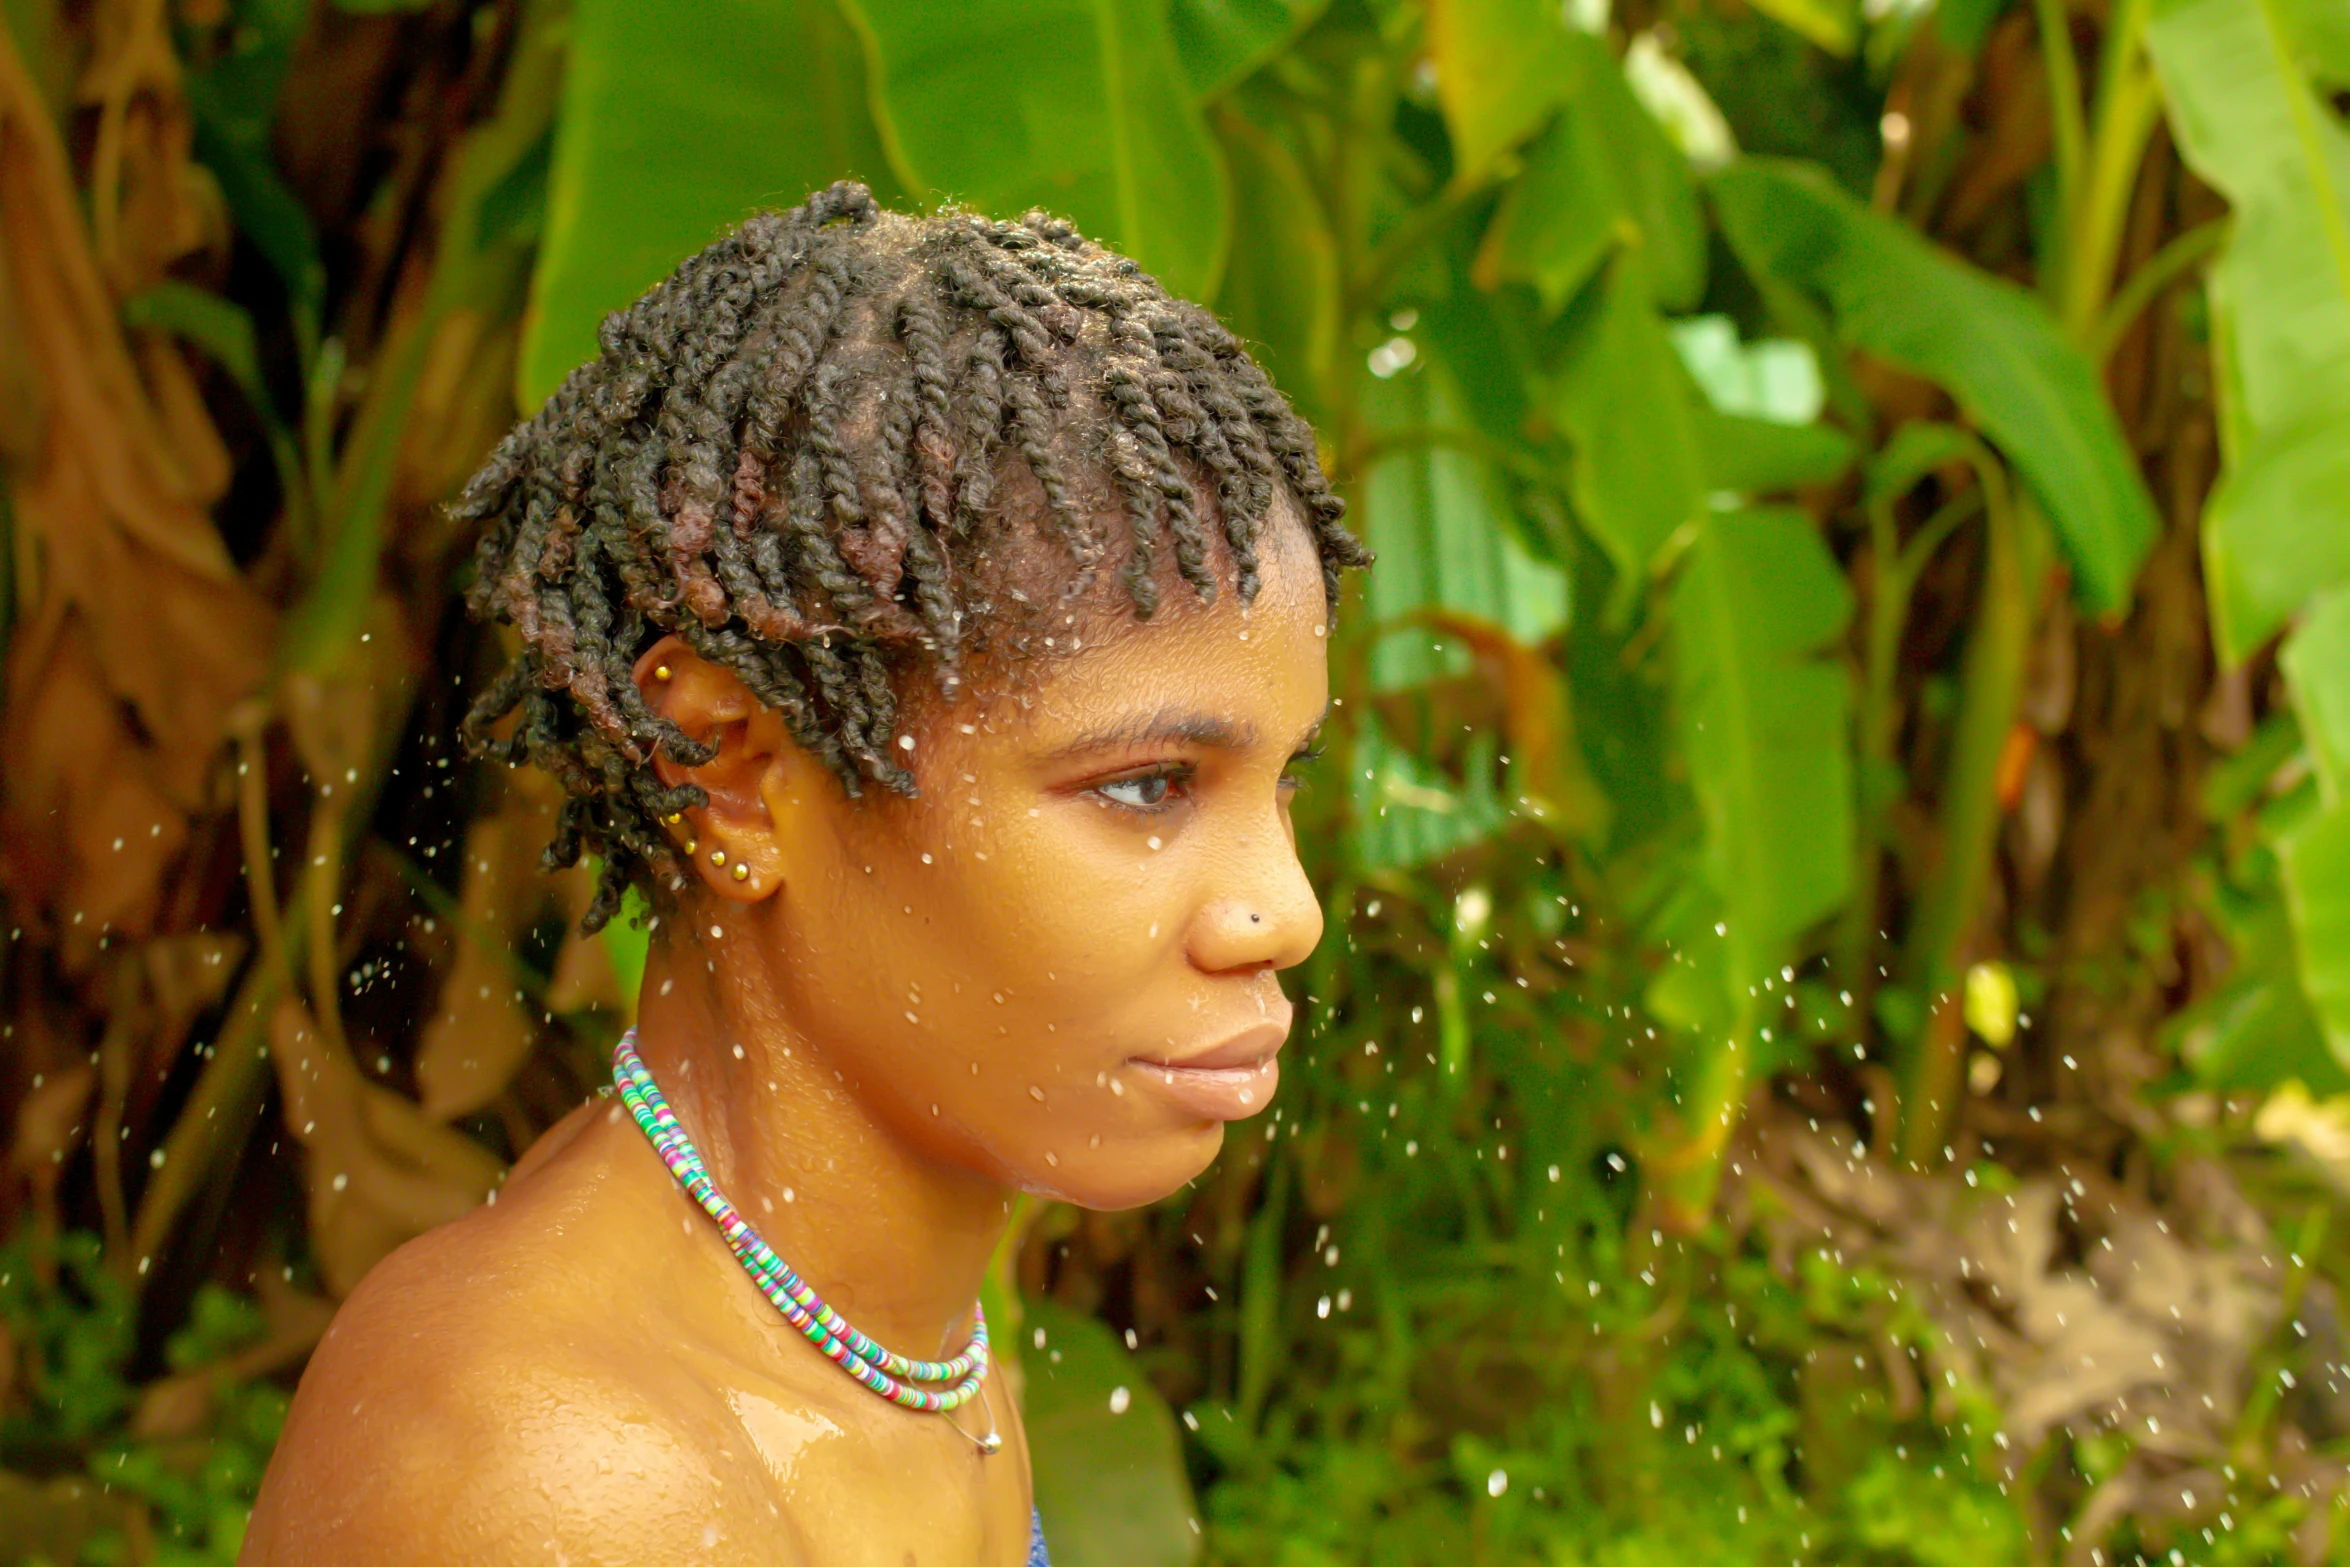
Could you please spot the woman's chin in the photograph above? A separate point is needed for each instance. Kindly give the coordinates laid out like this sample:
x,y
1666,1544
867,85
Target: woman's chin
x,y
1132,1173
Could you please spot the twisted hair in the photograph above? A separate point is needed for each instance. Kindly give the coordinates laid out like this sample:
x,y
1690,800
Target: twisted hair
x,y
788,454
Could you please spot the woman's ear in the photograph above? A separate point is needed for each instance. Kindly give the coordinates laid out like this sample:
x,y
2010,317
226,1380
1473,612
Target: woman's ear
x,y
731,840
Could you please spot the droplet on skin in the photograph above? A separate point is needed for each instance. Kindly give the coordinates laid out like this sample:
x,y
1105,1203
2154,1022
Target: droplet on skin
x,y
1154,842
1037,1093
1052,1158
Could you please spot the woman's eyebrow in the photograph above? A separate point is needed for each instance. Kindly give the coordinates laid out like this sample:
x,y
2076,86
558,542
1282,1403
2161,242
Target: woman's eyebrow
x,y
1168,727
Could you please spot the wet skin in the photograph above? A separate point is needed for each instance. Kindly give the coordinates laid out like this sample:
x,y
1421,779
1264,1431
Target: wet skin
x,y
908,1011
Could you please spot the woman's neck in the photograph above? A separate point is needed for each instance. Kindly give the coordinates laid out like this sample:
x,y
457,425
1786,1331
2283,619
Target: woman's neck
x,y
896,1242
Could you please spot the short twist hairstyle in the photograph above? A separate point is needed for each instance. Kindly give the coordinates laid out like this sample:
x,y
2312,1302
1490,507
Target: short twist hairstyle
x,y
788,454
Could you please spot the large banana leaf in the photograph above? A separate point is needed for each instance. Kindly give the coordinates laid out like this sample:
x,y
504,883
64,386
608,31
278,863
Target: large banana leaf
x,y
2242,81
2316,856
1077,106
1994,347
1604,174
1756,610
1280,290
1220,41
1442,523
1110,1483
1625,403
1502,69
677,122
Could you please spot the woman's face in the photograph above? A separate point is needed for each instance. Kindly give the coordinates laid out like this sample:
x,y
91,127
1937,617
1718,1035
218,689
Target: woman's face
x,y
1056,966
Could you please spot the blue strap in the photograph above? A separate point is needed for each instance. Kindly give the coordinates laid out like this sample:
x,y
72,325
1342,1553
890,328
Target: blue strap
x,y
1036,1556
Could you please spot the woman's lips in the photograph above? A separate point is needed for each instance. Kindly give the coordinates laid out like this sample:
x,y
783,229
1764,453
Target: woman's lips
x,y
1230,1082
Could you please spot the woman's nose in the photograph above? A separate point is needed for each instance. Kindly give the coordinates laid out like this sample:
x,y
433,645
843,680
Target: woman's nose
x,y
1265,917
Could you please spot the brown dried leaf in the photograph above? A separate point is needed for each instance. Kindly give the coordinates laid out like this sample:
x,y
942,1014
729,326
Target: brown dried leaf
x,y
145,631
50,1124
481,1033
379,1172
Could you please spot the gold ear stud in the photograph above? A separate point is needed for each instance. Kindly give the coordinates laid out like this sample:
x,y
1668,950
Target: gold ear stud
x,y
742,872
660,671
673,818
717,856
691,844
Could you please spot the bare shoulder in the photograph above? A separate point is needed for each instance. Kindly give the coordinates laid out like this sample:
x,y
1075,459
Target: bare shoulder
x,y
443,1419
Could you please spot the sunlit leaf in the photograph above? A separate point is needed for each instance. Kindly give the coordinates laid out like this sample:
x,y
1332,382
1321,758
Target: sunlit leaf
x,y
1503,67
1832,24
1624,402
2315,862
1994,347
2317,663
678,123
1110,1483
2236,74
1280,289
1077,106
1757,609
1440,518
1408,813
1602,175
1221,41
1761,457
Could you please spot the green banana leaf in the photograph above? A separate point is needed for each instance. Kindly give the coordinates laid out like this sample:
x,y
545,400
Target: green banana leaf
x,y
677,123
1994,347
1081,107
2241,78
1763,710
1110,1484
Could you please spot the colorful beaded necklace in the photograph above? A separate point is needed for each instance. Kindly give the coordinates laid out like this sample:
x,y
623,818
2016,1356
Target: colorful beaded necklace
x,y
890,1375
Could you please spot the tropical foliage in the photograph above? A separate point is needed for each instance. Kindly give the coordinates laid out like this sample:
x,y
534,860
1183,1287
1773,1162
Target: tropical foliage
x,y
1832,1043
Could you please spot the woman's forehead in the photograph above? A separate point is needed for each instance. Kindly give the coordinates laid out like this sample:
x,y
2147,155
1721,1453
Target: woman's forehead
x,y
1251,671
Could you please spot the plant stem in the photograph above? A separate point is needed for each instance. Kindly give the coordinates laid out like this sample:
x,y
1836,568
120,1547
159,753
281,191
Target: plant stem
x,y
1951,899
2180,255
2064,104
2127,102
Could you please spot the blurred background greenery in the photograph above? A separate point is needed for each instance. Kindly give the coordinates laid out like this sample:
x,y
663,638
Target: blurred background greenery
x,y
1830,1046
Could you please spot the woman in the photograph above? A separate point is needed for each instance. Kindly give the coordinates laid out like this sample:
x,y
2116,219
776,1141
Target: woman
x,y
927,615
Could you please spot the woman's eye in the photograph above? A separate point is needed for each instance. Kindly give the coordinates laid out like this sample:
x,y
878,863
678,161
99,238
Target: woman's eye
x,y
1146,793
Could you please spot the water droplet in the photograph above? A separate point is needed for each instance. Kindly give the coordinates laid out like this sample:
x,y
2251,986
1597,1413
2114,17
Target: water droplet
x,y
1497,1482
1119,1400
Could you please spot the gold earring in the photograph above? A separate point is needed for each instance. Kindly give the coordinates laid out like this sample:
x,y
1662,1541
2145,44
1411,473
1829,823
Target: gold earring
x,y
660,671
691,844
742,872
717,856
673,818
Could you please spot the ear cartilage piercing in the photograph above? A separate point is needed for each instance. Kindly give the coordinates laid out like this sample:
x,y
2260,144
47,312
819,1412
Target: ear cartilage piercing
x,y
742,872
660,671
673,818
717,856
691,844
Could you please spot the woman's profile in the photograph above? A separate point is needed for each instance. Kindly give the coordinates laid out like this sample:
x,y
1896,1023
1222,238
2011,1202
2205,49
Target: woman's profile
x,y
926,615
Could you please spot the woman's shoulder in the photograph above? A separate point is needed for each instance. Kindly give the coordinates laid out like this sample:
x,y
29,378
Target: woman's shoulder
x,y
467,1404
